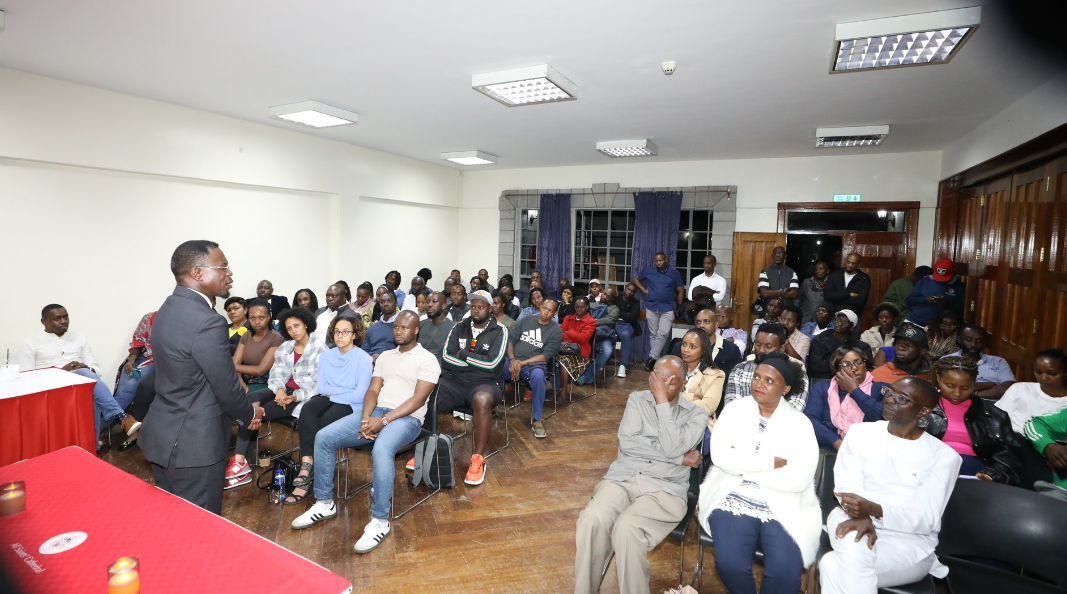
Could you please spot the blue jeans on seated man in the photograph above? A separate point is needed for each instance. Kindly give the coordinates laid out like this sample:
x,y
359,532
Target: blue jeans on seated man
x,y
128,383
602,350
625,332
104,405
534,375
740,536
344,433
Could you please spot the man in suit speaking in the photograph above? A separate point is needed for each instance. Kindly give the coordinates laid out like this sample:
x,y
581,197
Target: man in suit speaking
x,y
186,433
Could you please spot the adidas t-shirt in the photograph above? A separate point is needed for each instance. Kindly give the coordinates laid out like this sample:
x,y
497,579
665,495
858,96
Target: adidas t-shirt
x,y
530,338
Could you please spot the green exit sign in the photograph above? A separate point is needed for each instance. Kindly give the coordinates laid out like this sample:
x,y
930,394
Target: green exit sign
x,y
846,197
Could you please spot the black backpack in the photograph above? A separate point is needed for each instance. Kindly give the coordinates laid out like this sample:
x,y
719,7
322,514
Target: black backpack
x,y
434,463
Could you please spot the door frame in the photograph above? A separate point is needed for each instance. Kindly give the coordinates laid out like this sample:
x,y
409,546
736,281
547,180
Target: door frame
x,y
911,222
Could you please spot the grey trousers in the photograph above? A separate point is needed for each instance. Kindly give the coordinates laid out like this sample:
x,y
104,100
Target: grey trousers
x,y
621,517
659,331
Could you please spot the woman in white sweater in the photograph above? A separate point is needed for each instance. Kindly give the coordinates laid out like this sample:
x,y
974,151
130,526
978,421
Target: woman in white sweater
x,y
760,488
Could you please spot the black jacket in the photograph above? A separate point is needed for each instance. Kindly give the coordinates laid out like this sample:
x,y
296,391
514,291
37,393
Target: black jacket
x,y
278,304
992,438
472,362
840,296
629,312
824,345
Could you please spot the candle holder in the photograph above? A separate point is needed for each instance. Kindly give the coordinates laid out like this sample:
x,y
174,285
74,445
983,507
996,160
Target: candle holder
x,y
12,498
124,576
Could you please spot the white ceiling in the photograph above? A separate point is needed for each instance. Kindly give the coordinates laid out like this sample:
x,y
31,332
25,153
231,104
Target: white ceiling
x,y
752,78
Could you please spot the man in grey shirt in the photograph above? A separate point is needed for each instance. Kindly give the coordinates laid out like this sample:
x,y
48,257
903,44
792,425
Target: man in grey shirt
x,y
643,495
534,342
433,331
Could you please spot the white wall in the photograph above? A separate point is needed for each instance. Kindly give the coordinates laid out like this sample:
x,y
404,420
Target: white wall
x,y
98,188
1042,110
761,185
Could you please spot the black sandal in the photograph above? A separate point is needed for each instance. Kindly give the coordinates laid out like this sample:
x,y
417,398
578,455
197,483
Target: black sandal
x,y
301,482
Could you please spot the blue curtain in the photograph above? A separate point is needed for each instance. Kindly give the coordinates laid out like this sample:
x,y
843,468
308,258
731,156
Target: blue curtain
x,y
554,249
657,215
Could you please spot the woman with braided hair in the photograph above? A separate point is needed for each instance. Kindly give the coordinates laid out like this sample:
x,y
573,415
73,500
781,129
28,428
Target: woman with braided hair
x,y
976,429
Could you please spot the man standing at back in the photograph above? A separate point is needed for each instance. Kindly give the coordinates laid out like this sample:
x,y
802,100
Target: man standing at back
x,y
848,287
778,280
663,286
186,433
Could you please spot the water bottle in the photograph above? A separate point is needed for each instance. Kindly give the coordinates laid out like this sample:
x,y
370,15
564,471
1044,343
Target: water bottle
x,y
279,481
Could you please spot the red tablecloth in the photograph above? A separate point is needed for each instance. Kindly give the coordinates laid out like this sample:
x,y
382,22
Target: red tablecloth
x,y
182,548
53,409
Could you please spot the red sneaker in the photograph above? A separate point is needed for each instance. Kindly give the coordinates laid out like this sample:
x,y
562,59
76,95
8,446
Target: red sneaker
x,y
476,473
237,469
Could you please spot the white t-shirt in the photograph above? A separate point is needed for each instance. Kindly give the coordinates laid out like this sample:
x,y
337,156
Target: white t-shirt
x,y
848,278
1025,400
400,372
714,282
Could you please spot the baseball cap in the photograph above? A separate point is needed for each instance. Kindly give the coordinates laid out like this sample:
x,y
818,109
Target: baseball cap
x,y
483,295
912,333
942,270
595,281
851,315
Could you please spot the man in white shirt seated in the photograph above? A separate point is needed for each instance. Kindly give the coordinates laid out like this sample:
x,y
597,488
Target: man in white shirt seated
x,y
56,346
709,279
893,480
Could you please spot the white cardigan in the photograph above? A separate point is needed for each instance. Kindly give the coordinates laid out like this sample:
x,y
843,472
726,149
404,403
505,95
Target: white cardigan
x,y
790,490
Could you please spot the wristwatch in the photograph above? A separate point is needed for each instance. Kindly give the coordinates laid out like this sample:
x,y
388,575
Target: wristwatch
x,y
385,420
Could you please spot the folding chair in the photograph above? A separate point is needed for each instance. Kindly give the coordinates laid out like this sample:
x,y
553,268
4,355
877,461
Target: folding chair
x,y
470,412
550,377
574,377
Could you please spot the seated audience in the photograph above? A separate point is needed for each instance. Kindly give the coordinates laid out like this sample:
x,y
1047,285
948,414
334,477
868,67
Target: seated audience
x,y
527,300
137,363
893,481
994,373
759,494
237,311
724,319
898,291
627,327
476,284
499,311
506,279
642,497
459,308
531,345
523,293
536,298
1026,400
392,414
293,381
1045,433
392,280
304,298
943,334
422,302
426,274
255,352
975,428
410,302
142,401
566,301
57,346
935,293
376,311
563,282
596,291
851,396
578,328
472,374
606,314
449,283
876,337
770,339
826,343
811,292
823,321
909,356
723,353
511,304
455,274
379,336
797,343
337,304
704,382
277,303
711,280
433,331
774,306
484,275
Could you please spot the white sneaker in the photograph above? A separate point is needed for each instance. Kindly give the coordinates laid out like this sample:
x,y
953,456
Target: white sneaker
x,y
621,372
322,510
463,416
373,535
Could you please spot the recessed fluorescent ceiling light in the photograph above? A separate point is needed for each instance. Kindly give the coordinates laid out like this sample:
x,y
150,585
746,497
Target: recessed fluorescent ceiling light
x,y
854,136
525,86
313,114
910,40
627,148
470,158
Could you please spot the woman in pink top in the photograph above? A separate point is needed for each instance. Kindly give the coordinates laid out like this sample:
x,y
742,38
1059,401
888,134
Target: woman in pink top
x,y
978,431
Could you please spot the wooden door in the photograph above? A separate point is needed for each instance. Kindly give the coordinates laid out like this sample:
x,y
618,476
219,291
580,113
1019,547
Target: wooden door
x,y
885,259
1050,323
752,253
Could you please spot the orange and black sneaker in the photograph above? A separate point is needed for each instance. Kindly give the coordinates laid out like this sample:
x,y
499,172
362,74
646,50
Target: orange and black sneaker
x,y
476,473
410,465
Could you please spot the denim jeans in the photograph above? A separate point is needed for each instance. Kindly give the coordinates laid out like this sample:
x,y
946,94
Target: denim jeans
x,y
535,376
602,350
128,384
344,433
104,405
739,537
625,333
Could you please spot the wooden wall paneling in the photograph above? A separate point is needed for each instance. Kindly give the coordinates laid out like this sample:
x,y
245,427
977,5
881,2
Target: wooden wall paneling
x,y
968,232
884,260
752,253
1050,323
987,269
947,220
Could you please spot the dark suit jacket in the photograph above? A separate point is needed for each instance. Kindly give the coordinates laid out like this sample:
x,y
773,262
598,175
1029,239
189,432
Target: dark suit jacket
x,y
840,296
198,396
278,304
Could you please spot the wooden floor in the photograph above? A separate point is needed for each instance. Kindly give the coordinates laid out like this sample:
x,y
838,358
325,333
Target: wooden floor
x,y
514,533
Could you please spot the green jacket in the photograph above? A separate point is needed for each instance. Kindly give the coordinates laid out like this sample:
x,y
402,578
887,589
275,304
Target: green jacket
x,y
1042,431
897,293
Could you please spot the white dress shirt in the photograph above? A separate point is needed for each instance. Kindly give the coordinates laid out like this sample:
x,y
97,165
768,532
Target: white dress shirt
x,y
714,282
44,349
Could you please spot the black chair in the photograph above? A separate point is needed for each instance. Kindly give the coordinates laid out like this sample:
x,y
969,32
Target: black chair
x,y
1007,525
517,386
429,430
574,376
466,410
824,490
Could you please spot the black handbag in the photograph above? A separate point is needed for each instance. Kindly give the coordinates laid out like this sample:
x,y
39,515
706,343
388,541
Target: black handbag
x,y
758,307
289,467
569,348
